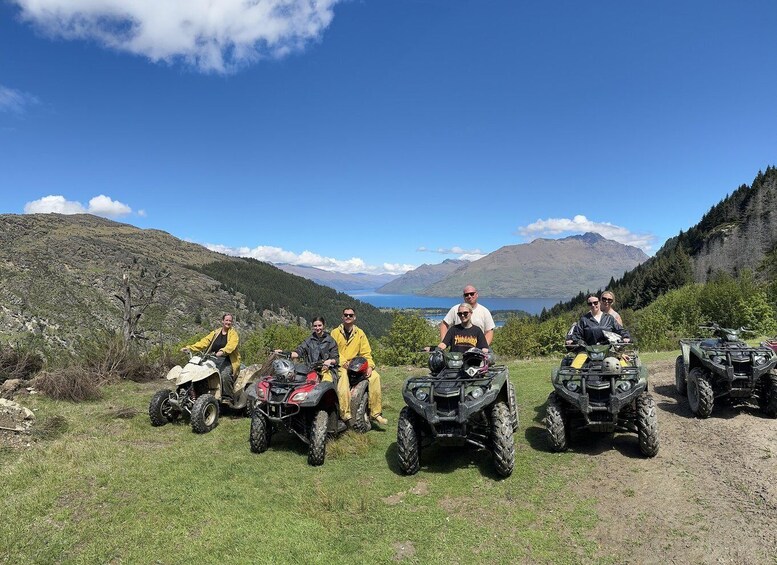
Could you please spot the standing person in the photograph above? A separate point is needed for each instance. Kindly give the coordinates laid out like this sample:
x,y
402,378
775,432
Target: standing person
x,y
460,337
224,342
321,347
607,299
352,342
481,317
591,325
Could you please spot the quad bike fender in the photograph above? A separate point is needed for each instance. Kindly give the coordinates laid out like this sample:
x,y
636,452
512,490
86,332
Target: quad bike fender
x,y
579,360
174,373
359,389
248,375
324,394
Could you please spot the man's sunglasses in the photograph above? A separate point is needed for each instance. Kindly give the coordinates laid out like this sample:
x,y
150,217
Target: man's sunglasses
x,y
348,315
468,294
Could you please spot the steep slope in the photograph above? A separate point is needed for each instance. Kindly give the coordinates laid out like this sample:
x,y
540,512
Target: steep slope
x,y
413,282
544,268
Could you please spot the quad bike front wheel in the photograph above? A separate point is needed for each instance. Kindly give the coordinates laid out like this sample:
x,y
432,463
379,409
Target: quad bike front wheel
x,y
503,442
317,448
647,425
767,396
679,376
360,398
160,411
205,414
700,395
408,445
259,436
556,424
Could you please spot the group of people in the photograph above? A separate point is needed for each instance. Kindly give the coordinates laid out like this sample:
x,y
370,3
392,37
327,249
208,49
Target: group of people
x,y
466,325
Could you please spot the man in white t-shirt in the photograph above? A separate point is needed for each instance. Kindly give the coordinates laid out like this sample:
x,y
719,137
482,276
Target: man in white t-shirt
x,y
481,317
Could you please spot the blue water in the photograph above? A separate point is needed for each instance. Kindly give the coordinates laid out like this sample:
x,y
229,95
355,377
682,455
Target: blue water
x,y
530,305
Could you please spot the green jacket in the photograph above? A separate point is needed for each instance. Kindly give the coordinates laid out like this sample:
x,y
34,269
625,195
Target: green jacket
x,y
230,348
356,346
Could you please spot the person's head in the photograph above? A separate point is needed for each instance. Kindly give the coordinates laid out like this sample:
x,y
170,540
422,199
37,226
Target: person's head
x,y
464,312
226,321
470,295
593,304
349,316
607,299
318,325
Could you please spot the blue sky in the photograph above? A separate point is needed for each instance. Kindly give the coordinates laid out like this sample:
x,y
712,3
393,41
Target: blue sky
x,y
377,135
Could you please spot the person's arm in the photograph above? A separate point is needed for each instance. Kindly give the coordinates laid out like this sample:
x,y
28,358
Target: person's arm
x,y
203,343
489,336
488,324
333,355
448,321
448,339
482,342
366,351
443,329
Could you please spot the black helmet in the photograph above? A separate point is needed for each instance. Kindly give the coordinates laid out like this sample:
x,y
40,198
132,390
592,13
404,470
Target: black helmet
x,y
358,365
436,361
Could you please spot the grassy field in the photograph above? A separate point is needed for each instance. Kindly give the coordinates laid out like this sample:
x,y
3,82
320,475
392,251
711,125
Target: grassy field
x,y
104,486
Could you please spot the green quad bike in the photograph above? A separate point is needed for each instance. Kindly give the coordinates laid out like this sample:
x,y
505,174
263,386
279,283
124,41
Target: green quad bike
x,y
725,366
602,388
466,399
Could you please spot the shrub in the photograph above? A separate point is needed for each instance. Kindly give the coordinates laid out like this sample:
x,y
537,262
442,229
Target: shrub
x,y
408,334
69,383
19,362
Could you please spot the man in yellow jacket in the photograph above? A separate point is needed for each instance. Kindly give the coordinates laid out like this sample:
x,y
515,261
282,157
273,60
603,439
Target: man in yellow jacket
x,y
352,342
222,342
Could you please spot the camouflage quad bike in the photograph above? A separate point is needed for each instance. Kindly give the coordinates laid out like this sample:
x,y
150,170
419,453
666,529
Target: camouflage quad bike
x,y
198,395
725,366
602,388
465,400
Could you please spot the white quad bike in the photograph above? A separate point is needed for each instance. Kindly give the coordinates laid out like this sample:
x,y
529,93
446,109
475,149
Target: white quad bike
x,y
198,394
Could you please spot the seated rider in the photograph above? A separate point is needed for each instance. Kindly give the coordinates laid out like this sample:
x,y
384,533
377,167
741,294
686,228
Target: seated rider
x,y
592,324
222,343
464,335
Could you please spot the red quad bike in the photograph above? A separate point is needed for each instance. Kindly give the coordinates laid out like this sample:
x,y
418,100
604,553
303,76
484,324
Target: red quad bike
x,y
295,398
360,400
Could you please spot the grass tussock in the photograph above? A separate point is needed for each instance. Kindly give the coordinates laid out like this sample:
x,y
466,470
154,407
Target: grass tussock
x,y
50,428
69,383
19,363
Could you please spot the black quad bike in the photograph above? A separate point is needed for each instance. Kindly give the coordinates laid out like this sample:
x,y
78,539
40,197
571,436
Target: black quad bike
x,y
601,388
465,400
725,366
295,398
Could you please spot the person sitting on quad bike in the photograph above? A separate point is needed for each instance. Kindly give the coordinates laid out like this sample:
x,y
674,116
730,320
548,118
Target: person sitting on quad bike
x,y
464,335
352,343
592,325
320,347
223,344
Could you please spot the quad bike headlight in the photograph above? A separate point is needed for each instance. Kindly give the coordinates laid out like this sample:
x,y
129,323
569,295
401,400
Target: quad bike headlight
x,y
624,385
597,355
572,386
299,397
260,393
475,392
759,359
718,359
421,394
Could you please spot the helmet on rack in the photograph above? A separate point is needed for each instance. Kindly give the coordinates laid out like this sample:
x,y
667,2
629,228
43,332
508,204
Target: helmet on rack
x,y
283,369
358,366
436,361
475,362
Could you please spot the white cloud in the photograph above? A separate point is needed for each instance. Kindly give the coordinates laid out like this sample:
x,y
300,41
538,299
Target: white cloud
x,y
15,101
310,259
57,204
212,36
581,224
467,254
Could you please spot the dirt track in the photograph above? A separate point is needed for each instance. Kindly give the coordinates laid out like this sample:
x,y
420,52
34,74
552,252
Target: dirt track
x,y
709,496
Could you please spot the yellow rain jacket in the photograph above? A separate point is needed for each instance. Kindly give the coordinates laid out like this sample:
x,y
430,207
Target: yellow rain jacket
x,y
230,349
357,345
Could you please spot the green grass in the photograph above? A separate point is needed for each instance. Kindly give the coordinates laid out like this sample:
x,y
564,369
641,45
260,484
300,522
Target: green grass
x,y
99,486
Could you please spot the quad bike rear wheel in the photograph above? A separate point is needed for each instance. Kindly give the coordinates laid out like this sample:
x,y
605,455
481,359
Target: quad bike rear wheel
x,y
205,414
408,445
160,411
259,436
317,448
556,423
767,397
647,425
700,395
503,442
513,405
679,376
360,398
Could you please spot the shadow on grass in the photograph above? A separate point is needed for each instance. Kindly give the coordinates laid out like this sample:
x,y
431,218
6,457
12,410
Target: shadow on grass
x,y
724,408
442,459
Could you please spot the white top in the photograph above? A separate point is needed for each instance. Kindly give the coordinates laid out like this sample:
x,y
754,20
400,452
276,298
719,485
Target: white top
x,y
480,317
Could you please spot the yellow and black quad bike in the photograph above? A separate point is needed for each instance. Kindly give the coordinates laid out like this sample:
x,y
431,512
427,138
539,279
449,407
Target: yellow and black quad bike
x,y
602,388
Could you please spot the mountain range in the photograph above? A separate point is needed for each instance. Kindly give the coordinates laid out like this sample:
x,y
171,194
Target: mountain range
x,y
544,268
336,280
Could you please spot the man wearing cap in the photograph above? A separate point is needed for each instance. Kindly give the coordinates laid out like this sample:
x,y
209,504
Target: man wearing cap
x,y
481,317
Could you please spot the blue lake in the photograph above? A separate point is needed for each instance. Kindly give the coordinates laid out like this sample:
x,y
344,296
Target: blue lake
x,y
530,305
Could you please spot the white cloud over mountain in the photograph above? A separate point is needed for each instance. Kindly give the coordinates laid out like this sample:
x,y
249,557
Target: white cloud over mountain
x,y
309,259
581,224
467,254
57,204
211,36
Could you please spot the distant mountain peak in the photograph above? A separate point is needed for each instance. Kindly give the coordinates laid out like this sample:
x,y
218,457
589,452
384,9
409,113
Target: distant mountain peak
x,y
588,237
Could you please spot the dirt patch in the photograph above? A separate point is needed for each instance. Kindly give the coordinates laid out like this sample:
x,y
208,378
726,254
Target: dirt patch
x,y
421,489
709,496
403,550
